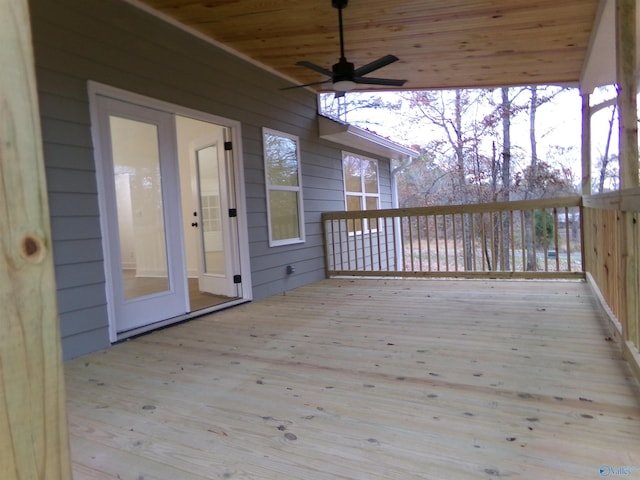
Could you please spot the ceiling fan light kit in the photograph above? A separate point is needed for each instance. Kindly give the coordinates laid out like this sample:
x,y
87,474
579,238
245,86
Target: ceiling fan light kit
x,y
343,75
344,85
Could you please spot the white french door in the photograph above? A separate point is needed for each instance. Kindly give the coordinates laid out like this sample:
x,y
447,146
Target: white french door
x,y
140,188
217,241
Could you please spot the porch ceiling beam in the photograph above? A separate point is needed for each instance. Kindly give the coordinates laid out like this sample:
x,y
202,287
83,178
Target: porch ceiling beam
x,y
33,429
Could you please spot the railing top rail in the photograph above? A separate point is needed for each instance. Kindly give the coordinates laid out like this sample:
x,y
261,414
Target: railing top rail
x,y
558,202
623,200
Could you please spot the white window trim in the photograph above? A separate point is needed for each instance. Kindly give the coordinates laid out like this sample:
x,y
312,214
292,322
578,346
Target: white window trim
x,y
282,188
362,194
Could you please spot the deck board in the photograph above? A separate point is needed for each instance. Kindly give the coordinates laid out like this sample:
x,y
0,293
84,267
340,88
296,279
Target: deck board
x,y
365,379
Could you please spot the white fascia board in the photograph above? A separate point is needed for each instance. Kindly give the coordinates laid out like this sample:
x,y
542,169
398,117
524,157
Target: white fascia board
x,y
356,137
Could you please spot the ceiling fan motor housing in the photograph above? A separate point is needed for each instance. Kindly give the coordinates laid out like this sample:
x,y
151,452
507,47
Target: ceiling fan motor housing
x,y
343,70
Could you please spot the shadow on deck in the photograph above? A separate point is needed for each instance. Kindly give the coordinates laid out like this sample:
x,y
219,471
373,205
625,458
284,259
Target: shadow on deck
x,y
365,379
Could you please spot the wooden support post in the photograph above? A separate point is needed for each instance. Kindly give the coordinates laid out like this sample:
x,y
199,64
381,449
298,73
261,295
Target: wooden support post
x,y
626,79
33,429
586,145
628,137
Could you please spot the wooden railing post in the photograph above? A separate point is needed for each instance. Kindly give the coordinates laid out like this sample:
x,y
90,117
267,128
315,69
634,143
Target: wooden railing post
x,y
628,138
586,144
33,430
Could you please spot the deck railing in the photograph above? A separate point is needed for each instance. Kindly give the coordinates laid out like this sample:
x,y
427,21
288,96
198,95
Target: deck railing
x,y
612,257
527,239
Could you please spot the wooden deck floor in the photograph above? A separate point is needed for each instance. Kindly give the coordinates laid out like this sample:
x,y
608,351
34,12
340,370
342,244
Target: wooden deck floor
x,y
365,379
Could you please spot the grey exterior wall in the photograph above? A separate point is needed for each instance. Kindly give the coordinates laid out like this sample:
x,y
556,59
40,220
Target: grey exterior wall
x,y
114,43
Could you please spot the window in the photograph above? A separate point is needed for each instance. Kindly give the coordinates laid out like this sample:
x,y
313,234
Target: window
x,y
284,188
361,188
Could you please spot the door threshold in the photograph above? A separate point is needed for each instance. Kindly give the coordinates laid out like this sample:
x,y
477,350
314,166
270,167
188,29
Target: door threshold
x,y
134,332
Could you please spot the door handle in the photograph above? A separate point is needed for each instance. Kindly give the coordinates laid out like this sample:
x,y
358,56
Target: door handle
x,y
194,224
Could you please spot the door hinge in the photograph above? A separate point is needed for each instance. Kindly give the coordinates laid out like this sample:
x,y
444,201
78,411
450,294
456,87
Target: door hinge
x,y
233,212
228,145
237,279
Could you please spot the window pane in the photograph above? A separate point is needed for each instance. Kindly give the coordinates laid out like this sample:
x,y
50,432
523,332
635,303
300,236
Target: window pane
x,y
283,208
372,204
353,204
370,173
352,174
281,160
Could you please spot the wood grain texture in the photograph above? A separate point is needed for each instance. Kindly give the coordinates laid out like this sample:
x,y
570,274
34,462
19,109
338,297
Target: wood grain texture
x,y
612,253
626,62
440,43
33,430
375,379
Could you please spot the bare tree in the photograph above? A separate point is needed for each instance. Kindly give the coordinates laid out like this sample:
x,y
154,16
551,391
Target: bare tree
x,y
606,158
505,248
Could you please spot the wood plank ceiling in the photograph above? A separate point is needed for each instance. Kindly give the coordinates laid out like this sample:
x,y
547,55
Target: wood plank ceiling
x,y
440,43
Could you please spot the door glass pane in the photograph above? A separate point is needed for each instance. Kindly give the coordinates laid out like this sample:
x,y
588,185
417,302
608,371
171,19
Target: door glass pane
x,y
284,214
136,163
210,210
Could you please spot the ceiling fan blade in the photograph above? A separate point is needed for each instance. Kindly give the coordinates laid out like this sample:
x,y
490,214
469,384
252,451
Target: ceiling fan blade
x,y
392,82
306,85
315,68
375,65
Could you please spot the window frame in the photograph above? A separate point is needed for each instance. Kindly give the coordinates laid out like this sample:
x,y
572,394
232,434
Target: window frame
x,y
362,194
283,188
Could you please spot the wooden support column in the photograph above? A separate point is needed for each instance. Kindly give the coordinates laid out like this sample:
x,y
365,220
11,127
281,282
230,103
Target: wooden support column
x,y
586,144
33,429
626,79
628,135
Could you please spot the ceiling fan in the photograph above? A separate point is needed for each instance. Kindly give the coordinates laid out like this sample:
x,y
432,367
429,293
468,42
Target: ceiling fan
x,y
343,75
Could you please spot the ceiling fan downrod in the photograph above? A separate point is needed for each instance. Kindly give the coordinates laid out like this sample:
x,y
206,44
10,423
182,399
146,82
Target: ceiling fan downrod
x,y
340,4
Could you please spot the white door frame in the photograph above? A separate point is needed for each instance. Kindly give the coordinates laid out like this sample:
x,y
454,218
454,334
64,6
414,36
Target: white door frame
x,y
237,178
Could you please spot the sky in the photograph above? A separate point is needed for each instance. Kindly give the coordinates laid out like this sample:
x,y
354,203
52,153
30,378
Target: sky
x,y
558,124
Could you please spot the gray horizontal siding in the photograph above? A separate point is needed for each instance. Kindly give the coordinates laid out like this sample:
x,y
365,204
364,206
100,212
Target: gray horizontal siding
x,y
84,272
74,323
84,341
112,42
76,204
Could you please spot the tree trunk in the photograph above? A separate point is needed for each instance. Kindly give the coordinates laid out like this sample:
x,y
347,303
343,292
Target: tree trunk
x,y
506,175
533,108
605,156
528,216
462,183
